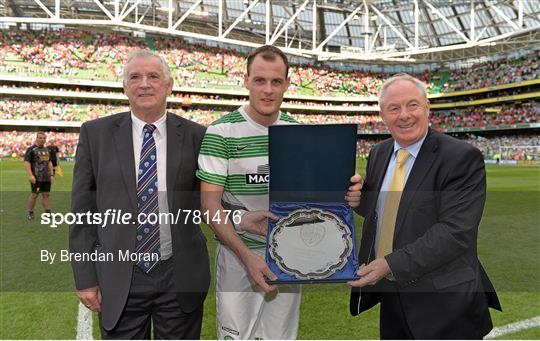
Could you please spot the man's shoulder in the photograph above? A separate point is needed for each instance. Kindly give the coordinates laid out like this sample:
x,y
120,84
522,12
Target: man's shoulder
x,y
287,118
387,143
30,150
32,147
194,126
449,145
105,121
450,151
232,117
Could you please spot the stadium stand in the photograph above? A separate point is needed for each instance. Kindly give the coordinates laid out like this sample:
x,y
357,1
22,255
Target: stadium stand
x,y
61,65
525,147
67,60
528,112
494,73
98,56
15,143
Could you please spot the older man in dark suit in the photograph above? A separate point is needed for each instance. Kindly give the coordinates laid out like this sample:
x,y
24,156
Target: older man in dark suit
x,y
422,200
141,163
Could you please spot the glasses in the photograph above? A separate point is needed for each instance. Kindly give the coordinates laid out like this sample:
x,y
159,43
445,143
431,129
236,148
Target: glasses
x,y
410,107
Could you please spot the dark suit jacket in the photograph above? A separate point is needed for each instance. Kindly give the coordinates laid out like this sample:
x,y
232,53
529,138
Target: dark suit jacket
x,y
443,288
104,178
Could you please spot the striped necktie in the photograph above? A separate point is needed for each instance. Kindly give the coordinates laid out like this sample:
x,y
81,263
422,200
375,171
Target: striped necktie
x,y
391,205
147,201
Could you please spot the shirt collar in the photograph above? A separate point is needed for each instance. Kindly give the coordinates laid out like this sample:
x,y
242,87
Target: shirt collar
x,y
139,124
244,113
413,149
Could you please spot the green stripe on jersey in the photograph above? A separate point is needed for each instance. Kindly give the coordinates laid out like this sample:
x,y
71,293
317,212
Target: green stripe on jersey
x,y
247,139
253,146
214,145
244,190
211,178
252,243
232,117
287,118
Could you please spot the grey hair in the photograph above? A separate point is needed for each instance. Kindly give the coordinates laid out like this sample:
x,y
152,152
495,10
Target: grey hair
x,y
140,53
401,77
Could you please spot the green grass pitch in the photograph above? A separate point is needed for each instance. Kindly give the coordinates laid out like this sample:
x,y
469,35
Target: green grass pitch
x,y
37,300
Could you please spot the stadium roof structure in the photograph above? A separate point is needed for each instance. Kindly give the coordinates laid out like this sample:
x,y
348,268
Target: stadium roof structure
x,y
382,31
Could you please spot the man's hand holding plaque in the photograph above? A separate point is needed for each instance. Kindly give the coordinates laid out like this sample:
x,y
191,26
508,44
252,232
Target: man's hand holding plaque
x,y
256,221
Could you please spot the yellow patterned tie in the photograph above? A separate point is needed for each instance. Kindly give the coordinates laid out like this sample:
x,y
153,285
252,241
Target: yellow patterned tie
x,y
391,206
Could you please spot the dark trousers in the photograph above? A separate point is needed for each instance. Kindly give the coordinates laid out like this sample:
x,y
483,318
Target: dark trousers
x,y
393,324
153,303
445,315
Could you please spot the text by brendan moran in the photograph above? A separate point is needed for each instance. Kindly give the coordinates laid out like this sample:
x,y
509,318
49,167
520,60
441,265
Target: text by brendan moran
x,y
97,256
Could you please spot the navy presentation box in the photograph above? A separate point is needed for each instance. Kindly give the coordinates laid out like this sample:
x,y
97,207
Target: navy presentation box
x,y
310,170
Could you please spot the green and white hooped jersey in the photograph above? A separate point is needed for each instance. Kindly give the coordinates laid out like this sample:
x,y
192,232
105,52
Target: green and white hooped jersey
x,y
234,155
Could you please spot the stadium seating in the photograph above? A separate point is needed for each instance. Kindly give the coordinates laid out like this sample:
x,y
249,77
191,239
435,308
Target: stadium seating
x,y
528,112
99,56
89,55
14,144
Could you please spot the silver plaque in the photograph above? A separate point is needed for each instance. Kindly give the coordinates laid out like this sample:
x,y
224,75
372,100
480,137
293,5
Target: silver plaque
x,y
310,244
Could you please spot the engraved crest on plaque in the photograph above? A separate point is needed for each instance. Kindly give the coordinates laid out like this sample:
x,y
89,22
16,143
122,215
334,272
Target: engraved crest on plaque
x,y
310,244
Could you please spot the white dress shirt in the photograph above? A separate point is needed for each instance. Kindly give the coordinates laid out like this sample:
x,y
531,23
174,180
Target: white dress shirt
x,y
160,138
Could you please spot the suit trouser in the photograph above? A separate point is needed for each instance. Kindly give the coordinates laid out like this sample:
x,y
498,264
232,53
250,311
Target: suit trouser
x,y
393,325
152,301
438,315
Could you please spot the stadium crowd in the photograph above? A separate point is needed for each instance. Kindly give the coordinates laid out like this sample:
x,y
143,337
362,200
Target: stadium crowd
x,y
14,143
494,73
525,146
54,111
508,147
528,112
99,56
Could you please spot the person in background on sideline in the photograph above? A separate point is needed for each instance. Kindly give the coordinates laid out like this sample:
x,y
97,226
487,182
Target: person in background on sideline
x,y
40,173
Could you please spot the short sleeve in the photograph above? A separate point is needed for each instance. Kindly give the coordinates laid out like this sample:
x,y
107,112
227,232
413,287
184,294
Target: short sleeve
x,y
214,157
